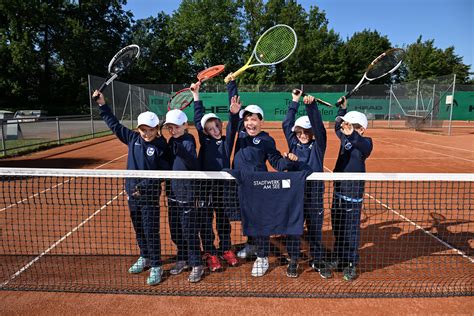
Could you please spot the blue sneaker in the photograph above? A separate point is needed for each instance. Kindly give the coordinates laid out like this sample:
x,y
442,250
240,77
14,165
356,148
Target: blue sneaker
x,y
141,265
155,276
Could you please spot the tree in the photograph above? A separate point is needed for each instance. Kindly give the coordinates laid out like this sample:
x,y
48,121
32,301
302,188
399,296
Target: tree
x,y
358,52
424,60
49,48
204,33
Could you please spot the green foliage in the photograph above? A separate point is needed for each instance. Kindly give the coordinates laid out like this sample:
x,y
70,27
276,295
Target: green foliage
x,y
47,48
424,60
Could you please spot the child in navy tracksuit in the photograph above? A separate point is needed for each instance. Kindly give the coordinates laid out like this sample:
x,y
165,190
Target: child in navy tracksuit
x,y
348,195
214,155
183,217
307,139
253,149
147,150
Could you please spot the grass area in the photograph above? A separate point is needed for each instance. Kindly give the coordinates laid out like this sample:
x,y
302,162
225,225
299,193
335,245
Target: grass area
x,y
19,147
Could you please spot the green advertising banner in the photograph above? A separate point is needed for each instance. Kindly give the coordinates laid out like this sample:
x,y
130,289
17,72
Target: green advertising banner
x,y
275,105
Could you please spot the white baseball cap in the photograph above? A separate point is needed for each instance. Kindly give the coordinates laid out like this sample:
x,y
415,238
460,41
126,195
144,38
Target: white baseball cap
x,y
176,117
252,108
354,117
302,122
207,117
148,118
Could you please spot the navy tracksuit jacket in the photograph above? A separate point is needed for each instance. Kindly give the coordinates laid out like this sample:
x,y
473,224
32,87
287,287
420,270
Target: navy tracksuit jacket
x,y
312,154
348,195
143,194
214,155
183,215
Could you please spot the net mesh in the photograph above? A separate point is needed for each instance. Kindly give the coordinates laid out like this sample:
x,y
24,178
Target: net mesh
x,y
275,45
71,230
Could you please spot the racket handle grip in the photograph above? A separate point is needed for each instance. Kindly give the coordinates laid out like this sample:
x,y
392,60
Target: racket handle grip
x,y
102,88
341,99
235,74
297,91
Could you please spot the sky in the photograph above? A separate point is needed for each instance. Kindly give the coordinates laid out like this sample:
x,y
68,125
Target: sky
x,y
447,22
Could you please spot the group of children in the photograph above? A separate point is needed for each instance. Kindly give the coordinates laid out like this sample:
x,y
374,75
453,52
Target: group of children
x,y
191,212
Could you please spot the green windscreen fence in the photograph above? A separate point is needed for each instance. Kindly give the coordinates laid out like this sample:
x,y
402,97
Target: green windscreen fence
x,y
275,105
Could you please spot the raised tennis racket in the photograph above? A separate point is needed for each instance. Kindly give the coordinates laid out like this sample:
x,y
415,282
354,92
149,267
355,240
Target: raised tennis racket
x,y
121,61
184,97
297,91
210,72
383,65
181,99
274,46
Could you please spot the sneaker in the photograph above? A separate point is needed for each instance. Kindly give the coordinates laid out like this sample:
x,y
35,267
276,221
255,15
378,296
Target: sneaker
x,y
141,265
212,262
247,251
196,274
323,268
179,267
335,265
292,270
260,267
230,258
155,276
349,272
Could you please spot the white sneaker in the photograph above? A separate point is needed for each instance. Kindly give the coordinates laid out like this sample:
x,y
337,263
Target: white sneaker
x,y
141,265
247,251
196,274
260,267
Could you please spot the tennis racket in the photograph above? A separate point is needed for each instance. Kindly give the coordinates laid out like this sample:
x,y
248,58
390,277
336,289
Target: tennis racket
x,y
297,91
181,99
274,46
210,72
121,61
383,65
184,97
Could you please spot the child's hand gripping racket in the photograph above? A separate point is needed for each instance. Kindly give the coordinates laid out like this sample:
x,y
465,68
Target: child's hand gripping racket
x,y
184,97
121,61
301,93
273,47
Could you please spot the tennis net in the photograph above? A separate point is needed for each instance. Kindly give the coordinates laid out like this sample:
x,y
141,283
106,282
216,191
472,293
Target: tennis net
x,y
71,230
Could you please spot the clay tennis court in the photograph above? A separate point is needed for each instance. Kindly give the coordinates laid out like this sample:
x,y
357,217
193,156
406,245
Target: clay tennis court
x,y
394,151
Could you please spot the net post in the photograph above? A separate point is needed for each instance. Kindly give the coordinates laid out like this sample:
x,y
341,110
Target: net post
x,y
417,96
452,105
90,105
58,131
113,98
4,145
390,107
131,110
432,105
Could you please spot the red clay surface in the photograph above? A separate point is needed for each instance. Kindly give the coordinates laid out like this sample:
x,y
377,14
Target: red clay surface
x,y
394,151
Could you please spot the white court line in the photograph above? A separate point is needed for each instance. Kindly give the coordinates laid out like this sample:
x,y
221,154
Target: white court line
x,y
396,158
430,151
460,252
28,265
53,187
449,147
60,240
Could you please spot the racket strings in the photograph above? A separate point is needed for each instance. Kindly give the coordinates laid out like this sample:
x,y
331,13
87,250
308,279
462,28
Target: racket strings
x,y
276,45
386,64
124,60
181,99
